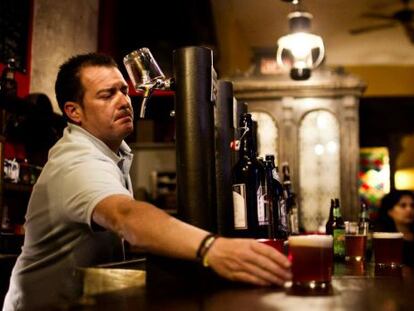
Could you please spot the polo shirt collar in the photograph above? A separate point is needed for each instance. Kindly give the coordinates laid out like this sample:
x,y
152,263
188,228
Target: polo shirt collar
x,y
124,150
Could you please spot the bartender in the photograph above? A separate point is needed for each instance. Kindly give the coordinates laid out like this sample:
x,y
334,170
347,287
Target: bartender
x,y
82,205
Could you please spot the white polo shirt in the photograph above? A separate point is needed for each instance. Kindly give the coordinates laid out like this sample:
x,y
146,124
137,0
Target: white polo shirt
x,y
80,172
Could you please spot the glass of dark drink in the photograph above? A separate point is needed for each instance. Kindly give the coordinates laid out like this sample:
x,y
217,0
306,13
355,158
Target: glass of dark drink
x,y
388,248
355,242
312,263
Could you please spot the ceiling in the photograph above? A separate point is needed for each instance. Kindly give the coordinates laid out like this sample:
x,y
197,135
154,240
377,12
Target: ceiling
x,y
261,22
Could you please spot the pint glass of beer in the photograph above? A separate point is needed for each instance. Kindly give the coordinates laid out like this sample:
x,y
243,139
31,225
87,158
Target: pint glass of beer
x,y
388,248
312,260
355,242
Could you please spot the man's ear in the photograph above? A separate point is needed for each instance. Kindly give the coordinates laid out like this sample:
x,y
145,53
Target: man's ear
x,y
73,111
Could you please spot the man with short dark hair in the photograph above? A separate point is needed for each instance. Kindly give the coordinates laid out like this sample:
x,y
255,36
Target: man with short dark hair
x,y
82,204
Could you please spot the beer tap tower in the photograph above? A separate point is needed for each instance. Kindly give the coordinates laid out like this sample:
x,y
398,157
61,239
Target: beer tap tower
x,y
204,131
205,126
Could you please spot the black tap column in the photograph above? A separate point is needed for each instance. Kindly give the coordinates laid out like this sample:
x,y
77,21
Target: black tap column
x,y
223,122
194,114
196,170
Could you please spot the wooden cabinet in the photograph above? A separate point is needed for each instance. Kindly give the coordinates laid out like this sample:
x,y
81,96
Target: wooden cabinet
x,y
14,200
317,121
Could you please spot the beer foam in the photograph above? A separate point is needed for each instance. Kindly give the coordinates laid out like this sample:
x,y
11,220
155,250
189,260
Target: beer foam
x,y
387,235
312,240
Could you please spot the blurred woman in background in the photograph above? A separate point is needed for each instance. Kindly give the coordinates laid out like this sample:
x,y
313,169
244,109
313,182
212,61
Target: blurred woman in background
x,y
396,214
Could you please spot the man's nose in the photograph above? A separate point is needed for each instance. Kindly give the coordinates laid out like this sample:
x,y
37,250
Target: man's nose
x,y
124,100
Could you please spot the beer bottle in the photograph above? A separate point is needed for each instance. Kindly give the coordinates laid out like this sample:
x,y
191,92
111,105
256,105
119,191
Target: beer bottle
x,y
262,198
248,190
329,223
290,197
338,231
364,225
279,202
271,201
8,83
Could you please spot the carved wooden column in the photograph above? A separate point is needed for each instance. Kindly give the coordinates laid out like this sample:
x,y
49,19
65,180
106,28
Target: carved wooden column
x,y
349,155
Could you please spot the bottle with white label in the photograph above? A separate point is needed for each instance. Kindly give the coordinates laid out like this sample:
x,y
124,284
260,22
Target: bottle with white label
x,y
249,210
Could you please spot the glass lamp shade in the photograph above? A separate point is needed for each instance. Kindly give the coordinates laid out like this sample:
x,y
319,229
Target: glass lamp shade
x,y
300,50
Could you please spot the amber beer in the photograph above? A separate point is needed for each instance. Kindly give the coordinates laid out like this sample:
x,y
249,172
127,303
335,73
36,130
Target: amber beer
x,y
355,241
388,248
355,246
312,260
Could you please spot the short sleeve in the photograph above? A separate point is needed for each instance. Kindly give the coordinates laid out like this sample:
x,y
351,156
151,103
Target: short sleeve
x,y
84,184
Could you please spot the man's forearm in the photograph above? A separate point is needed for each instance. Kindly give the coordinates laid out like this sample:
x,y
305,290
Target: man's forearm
x,y
147,227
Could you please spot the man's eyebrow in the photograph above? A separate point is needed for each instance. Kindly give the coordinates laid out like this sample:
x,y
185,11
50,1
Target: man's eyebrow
x,y
109,90
112,89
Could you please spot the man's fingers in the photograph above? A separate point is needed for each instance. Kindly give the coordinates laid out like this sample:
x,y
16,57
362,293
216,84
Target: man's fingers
x,y
272,274
270,252
266,263
249,261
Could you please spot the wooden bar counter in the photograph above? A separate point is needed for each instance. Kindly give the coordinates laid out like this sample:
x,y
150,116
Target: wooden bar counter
x,y
353,288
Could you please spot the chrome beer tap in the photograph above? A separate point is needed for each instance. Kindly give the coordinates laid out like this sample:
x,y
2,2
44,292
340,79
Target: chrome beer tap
x,y
145,75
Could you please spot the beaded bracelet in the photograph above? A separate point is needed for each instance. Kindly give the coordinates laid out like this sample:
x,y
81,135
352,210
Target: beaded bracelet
x,y
204,247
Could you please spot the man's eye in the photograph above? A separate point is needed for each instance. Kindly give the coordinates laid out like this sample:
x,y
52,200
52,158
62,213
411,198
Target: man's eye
x,y
106,96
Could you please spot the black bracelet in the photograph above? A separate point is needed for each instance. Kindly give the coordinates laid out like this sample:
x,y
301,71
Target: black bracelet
x,y
205,245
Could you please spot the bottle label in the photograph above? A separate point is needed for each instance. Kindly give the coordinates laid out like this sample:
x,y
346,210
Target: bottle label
x,y
283,215
339,242
294,221
261,210
239,206
275,175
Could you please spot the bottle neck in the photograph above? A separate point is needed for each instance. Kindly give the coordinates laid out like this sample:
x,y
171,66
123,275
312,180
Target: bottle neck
x,y
331,213
336,212
363,216
247,148
286,174
288,186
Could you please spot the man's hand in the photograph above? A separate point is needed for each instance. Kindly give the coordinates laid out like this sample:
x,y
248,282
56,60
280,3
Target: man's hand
x,y
248,261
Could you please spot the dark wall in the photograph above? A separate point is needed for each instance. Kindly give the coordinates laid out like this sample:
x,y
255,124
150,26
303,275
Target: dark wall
x,y
384,118
162,26
384,121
